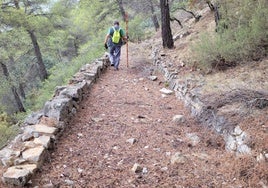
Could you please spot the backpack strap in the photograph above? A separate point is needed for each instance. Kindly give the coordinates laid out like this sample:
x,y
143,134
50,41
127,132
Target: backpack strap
x,y
118,30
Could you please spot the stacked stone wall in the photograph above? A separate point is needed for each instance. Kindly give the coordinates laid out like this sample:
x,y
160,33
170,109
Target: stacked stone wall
x,y
236,139
41,130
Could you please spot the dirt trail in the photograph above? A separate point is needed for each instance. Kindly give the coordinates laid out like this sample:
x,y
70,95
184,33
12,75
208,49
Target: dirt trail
x,y
125,120
95,151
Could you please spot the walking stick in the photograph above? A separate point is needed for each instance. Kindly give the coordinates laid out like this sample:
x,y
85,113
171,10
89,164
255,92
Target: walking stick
x,y
126,19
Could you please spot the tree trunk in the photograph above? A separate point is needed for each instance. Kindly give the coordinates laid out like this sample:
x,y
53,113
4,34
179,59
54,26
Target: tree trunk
x,y
42,69
155,21
17,99
21,85
217,17
166,30
210,5
219,27
20,106
76,46
16,2
5,71
21,90
154,17
121,8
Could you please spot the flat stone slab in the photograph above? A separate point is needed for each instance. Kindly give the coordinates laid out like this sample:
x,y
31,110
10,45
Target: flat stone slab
x,y
90,76
6,152
40,128
19,175
44,141
7,156
35,155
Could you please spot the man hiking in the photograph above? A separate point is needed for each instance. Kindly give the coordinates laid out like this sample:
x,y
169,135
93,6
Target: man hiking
x,y
114,39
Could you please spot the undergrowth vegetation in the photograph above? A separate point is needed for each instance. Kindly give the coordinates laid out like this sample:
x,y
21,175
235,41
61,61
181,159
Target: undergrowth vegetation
x,y
60,75
242,35
7,130
140,29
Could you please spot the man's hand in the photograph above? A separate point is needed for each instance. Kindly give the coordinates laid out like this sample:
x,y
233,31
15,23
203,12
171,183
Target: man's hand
x,y
125,39
105,46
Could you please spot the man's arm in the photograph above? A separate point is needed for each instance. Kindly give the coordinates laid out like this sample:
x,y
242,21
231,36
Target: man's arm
x,y
124,37
106,38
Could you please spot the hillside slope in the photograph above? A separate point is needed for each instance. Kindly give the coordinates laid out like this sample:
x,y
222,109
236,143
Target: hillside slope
x,y
239,93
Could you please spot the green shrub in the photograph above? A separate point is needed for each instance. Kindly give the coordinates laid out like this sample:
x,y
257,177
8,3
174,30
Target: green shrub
x,y
139,29
244,39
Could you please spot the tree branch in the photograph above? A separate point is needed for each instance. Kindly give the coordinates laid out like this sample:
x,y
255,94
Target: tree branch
x,y
197,17
175,19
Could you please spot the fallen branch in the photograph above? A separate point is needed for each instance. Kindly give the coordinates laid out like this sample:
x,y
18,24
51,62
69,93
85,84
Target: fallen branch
x,y
258,103
210,5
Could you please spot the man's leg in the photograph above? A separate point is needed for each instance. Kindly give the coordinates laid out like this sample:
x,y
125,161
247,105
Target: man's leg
x,y
111,55
117,53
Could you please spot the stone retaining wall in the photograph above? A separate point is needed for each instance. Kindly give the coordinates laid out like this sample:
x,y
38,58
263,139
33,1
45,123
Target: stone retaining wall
x,y
236,139
28,151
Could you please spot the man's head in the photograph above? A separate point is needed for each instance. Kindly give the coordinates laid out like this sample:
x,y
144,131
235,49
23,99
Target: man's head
x,y
116,22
